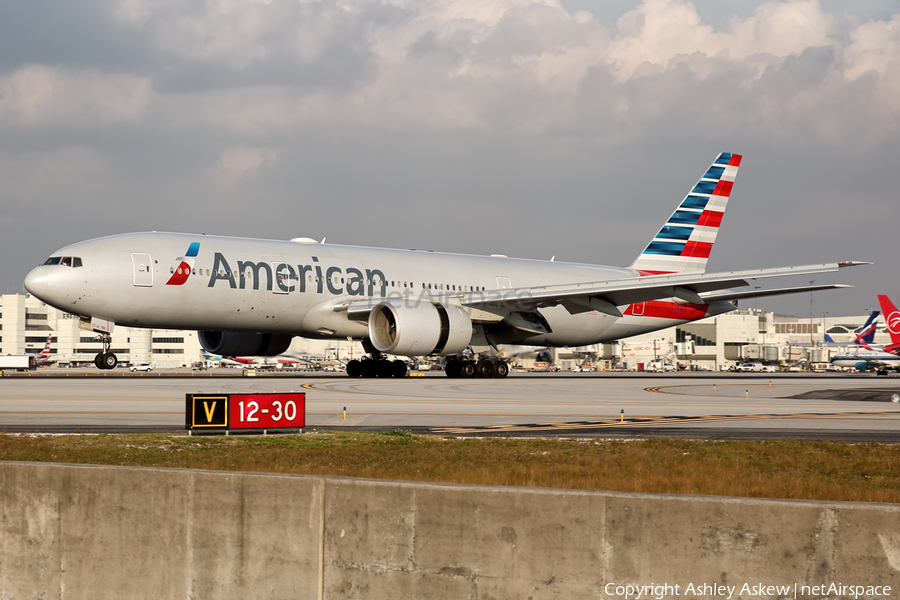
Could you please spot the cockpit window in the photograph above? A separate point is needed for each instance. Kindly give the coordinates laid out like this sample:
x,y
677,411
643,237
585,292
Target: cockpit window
x,y
66,261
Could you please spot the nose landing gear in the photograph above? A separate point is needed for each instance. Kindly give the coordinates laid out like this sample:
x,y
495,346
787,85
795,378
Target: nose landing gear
x,y
106,360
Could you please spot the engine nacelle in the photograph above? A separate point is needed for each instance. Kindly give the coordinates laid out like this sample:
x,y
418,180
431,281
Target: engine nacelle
x,y
232,343
861,366
421,330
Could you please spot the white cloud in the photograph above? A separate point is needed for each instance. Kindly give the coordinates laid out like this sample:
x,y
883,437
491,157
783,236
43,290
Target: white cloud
x,y
658,31
236,164
39,94
874,47
432,108
43,181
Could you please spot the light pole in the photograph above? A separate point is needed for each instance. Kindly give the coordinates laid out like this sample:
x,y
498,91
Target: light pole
x,y
809,358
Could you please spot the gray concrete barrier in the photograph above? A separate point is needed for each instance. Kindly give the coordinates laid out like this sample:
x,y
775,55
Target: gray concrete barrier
x,y
74,531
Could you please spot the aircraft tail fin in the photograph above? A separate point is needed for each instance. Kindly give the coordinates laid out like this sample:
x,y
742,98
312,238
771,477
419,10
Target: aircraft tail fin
x,y
865,335
685,240
45,353
829,339
892,320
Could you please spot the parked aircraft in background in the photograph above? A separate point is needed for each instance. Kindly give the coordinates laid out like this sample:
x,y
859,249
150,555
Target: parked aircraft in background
x,y
862,359
865,335
892,320
44,357
249,297
256,361
225,360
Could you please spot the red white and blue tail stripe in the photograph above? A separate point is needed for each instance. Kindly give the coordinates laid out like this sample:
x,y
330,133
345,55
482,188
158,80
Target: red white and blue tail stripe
x,y
45,353
684,242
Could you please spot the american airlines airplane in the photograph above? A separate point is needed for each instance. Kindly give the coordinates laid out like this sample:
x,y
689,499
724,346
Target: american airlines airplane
x,y
44,357
250,297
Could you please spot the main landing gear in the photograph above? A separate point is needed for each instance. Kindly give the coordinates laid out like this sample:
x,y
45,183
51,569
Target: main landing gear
x,y
471,368
106,360
375,365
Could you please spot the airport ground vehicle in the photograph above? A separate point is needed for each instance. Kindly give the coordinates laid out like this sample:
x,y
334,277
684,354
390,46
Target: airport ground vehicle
x,y
19,362
145,367
660,366
754,367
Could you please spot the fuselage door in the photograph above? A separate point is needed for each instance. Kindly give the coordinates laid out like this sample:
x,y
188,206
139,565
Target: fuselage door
x,y
284,277
637,309
143,269
503,283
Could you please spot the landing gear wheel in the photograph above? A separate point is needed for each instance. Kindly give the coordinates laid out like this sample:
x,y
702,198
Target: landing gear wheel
x,y
484,368
354,369
398,368
98,361
452,368
467,369
368,367
384,368
501,369
109,361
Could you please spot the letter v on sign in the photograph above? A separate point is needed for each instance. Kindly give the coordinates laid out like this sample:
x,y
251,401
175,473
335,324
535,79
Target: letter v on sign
x,y
209,410
206,411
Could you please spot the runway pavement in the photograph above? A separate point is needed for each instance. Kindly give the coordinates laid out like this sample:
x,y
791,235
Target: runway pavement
x,y
855,407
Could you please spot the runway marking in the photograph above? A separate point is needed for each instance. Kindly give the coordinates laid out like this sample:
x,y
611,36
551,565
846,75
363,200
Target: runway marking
x,y
315,386
653,420
671,389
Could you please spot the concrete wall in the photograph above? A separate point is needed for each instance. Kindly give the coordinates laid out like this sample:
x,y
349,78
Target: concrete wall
x,y
69,531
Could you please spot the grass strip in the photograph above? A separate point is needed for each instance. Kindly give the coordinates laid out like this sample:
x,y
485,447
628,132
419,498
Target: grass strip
x,y
837,471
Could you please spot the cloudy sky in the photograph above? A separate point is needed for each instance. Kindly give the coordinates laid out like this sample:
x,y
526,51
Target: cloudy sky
x,y
529,128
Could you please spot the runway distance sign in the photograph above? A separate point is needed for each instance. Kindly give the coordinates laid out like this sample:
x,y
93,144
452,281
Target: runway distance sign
x,y
229,412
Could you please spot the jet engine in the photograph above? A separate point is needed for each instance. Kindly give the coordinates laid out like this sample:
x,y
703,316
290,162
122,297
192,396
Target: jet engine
x,y
861,366
420,330
231,343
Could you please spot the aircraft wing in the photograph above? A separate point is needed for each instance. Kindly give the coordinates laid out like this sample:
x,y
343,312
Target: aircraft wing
x,y
606,296
745,294
877,362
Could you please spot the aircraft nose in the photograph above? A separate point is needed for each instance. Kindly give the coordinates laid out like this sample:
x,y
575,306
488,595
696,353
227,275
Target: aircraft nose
x,y
36,282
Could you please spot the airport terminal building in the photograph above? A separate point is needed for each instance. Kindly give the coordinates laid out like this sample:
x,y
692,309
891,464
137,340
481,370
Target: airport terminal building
x,y
714,343
26,323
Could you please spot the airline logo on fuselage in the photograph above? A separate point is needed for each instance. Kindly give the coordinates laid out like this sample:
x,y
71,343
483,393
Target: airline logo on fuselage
x,y
283,277
185,265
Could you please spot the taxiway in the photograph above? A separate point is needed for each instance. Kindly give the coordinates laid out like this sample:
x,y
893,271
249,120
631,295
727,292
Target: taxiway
x,y
717,405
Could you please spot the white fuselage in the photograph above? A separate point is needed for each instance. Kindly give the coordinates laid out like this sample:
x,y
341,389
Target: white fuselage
x,y
874,357
155,280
